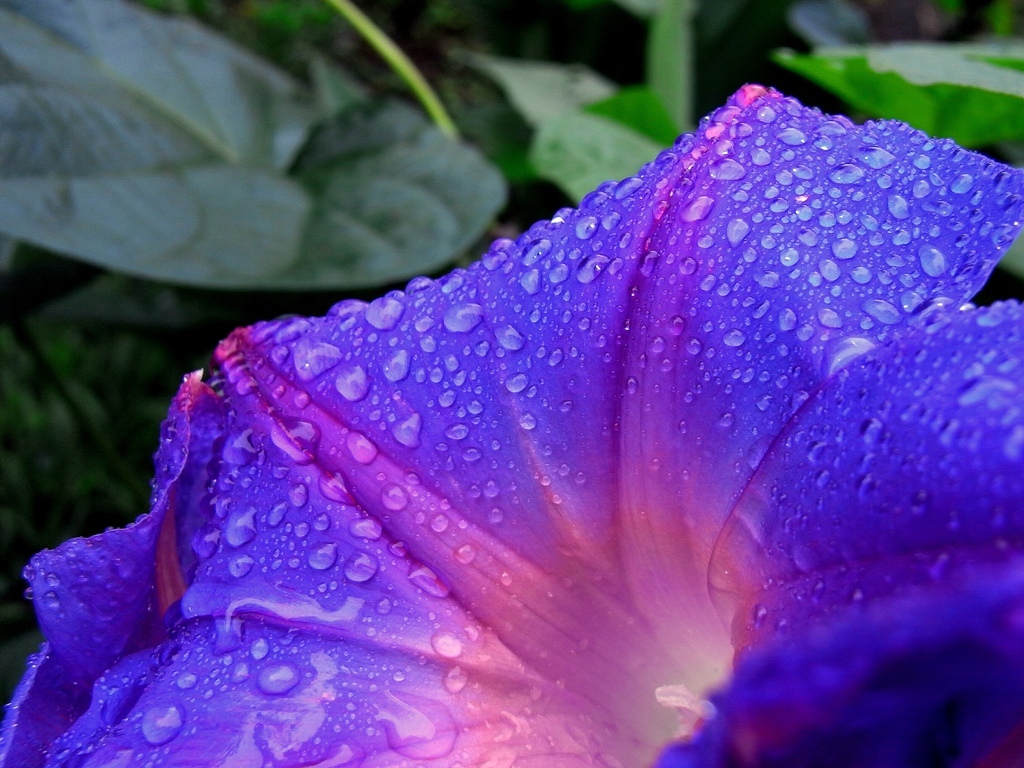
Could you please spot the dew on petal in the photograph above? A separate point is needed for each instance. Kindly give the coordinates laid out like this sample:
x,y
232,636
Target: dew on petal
x,y
277,679
160,724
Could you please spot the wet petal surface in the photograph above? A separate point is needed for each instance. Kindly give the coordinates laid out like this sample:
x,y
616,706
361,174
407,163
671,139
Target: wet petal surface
x,y
898,473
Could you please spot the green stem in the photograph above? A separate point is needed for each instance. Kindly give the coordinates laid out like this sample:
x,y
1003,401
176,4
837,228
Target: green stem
x,y
99,438
399,62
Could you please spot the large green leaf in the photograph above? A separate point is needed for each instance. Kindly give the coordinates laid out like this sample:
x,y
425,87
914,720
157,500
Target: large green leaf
x,y
150,146
235,104
972,93
639,108
393,196
578,151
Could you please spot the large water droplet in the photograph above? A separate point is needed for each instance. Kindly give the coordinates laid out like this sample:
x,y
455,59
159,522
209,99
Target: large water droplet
x,y
396,367
882,311
933,261
361,567
384,313
277,679
591,267
162,723
698,209
727,169
394,497
352,383
240,528
509,338
365,528
407,431
446,644
463,317
736,230
323,557
361,447
427,580
847,173
313,358
876,157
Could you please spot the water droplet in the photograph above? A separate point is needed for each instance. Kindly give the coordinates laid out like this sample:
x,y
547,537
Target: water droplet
x,y
361,447
239,565
591,267
323,557
530,281
427,580
962,183
313,358
384,313
240,528
396,368
298,495
407,431
394,497
871,430
882,311
586,227
898,206
455,680
463,317
277,679
516,383
727,169
933,261
846,351
162,723
509,338
361,567
698,209
536,252
365,528
736,230
794,137
457,431
627,187
734,338
446,644
186,681
829,318
848,173
844,248
876,157
352,383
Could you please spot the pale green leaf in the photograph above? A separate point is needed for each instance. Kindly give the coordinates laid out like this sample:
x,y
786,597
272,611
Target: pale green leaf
x,y
540,90
579,151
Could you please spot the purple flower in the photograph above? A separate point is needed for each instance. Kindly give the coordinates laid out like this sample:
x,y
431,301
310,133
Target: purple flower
x,y
521,516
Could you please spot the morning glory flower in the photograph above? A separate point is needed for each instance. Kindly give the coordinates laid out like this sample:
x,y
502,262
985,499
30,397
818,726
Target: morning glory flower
x,y
719,469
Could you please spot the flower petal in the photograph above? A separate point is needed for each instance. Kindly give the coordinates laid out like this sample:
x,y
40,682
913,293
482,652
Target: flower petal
x,y
44,705
897,473
795,243
287,698
932,679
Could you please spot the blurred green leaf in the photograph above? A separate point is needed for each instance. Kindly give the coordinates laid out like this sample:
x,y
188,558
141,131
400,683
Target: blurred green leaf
x,y
971,93
109,54
336,90
639,108
578,151
670,59
829,22
150,146
642,8
392,197
540,90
